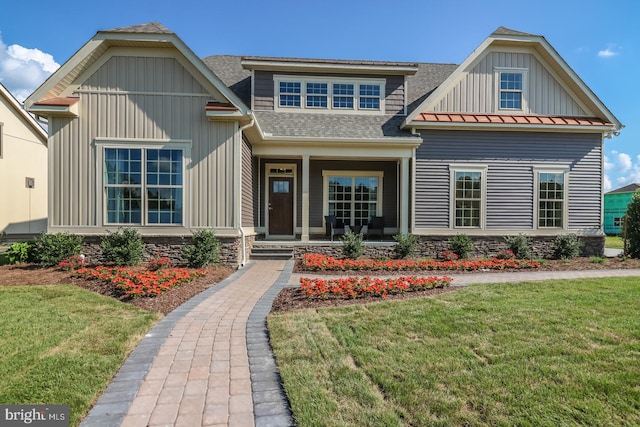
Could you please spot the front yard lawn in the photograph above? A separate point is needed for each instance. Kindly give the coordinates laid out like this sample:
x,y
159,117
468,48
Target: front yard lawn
x,y
62,344
545,354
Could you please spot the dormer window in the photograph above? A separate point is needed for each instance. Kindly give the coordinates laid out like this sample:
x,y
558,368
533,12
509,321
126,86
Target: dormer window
x,y
511,89
311,94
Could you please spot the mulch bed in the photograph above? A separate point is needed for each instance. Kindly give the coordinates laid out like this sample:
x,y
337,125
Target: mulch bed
x,y
289,299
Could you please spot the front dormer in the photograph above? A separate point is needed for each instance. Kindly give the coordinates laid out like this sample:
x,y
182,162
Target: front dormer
x,y
328,86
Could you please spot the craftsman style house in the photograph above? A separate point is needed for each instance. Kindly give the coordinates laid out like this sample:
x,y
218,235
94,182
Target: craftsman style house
x,y
23,171
142,133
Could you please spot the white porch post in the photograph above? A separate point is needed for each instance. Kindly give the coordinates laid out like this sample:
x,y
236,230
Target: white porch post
x,y
305,199
404,195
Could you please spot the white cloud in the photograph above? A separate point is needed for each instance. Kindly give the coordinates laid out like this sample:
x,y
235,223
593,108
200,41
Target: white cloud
x,y
607,184
610,51
607,163
624,160
22,69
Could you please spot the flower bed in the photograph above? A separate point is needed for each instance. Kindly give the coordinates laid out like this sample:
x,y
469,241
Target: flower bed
x,y
142,283
319,262
354,287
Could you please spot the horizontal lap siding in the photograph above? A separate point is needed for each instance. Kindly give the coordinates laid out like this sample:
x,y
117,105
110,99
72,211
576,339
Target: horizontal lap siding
x,y
510,158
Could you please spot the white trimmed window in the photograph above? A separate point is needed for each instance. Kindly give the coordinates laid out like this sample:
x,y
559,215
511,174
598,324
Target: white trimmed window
x,y
551,198
354,197
468,196
143,186
325,95
511,84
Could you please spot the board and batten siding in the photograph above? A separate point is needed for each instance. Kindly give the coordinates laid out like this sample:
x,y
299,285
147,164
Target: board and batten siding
x,y
477,91
264,89
510,158
249,186
141,101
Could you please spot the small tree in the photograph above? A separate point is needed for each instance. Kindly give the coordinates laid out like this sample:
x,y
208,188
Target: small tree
x,y
352,246
631,228
405,245
461,245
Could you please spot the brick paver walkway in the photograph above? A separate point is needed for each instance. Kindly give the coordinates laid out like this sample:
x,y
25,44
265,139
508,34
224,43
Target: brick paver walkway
x,y
199,375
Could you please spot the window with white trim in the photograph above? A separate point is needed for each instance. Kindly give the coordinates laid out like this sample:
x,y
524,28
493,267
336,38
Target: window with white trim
x,y
511,85
321,94
468,196
354,197
551,198
143,186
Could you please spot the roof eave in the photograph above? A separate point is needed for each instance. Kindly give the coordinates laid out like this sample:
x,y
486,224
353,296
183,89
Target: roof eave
x,y
302,66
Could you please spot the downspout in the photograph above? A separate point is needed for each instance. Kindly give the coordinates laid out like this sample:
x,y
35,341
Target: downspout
x,y
243,237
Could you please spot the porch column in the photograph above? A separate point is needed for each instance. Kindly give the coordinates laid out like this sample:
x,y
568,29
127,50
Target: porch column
x,y
404,195
305,199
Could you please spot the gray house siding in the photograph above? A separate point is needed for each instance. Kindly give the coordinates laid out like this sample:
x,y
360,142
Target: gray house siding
x,y
141,101
249,190
263,92
510,158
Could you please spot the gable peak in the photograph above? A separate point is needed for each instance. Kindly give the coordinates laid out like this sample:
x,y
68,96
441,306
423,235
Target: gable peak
x,y
504,31
149,28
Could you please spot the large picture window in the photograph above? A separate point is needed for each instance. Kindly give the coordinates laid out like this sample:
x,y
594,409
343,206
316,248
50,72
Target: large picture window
x,y
551,199
468,200
143,186
354,198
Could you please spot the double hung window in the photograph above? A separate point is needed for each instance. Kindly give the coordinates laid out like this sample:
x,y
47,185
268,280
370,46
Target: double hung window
x,y
468,196
143,186
511,92
552,194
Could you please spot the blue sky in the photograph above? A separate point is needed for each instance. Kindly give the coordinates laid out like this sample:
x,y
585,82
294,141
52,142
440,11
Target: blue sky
x,y
596,38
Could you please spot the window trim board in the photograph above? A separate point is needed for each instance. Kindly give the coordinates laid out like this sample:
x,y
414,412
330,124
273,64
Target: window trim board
x,y
565,171
453,169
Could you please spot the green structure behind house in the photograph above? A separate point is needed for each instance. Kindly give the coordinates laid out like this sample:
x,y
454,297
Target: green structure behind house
x,y
615,207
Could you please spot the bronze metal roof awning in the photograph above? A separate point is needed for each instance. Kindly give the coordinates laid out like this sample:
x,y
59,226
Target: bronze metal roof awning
x,y
67,106
444,119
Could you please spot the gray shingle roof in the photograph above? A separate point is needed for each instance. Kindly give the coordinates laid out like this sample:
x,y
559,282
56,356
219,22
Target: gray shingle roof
x,y
229,69
504,31
631,188
330,125
150,28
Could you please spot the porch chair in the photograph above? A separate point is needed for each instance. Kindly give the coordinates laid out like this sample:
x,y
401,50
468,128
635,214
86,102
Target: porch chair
x,y
376,227
332,228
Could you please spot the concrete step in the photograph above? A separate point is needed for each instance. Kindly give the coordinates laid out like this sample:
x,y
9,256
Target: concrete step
x,y
271,252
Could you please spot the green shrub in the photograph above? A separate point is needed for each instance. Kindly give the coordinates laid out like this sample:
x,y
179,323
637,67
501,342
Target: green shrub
x,y
405,246
19,252
461,245
566,246
122,247
51,248
519,245
352,246
204,249
631,228
598,260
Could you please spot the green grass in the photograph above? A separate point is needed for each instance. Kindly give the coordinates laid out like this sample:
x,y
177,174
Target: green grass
x,y
531,354
614,242
62,344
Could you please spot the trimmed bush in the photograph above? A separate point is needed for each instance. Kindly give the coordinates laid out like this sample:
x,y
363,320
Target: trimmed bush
x,y
51,248
204,249
566,246
352,246
405,245
19,252
461,245
122,247
520,245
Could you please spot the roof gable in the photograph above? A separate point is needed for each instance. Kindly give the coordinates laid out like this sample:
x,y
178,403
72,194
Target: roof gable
x,y
15,107
95,52
506,49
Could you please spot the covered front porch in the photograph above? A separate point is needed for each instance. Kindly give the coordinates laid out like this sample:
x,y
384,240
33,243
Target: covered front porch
x,y
298,194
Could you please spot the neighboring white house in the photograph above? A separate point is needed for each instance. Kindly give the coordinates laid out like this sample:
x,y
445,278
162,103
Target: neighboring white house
x,y
23,169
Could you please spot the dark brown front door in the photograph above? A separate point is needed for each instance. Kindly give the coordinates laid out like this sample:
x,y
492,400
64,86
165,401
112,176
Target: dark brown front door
x,y
281,206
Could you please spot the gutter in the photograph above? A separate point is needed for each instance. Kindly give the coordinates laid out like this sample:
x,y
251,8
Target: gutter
x,y
243,237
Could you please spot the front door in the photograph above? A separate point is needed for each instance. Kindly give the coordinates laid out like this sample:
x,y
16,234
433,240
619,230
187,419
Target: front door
x,y
280,206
